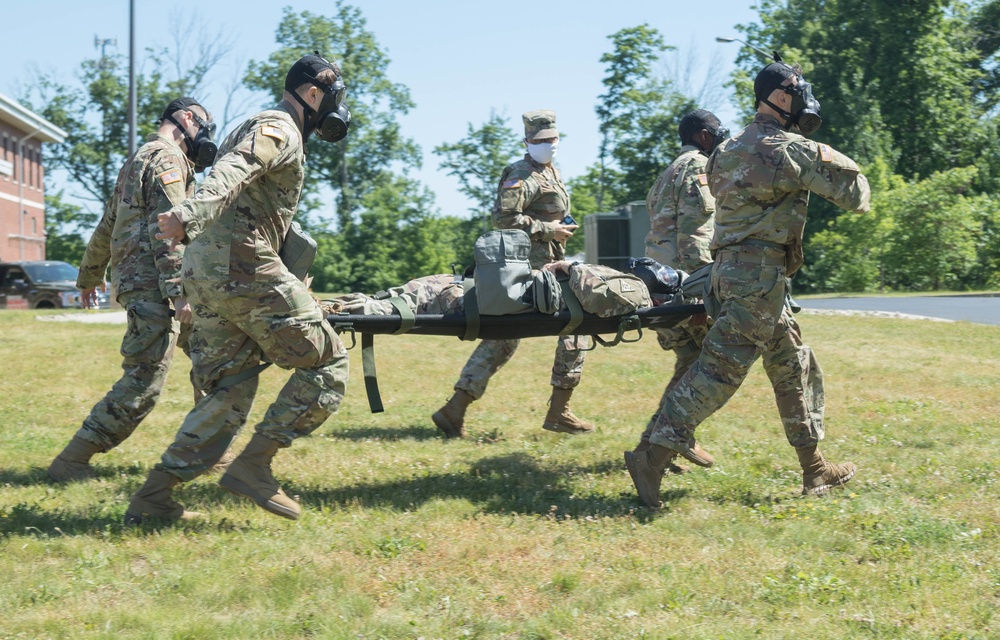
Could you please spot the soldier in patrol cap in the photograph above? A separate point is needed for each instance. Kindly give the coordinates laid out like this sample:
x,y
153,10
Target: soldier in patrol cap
x,y
248,306
146,276
761,179
531,196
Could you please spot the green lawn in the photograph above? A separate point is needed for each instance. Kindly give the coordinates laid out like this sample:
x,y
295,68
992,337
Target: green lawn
x,y
516,532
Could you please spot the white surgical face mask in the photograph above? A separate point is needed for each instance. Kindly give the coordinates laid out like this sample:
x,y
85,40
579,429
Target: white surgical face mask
x,y
543,152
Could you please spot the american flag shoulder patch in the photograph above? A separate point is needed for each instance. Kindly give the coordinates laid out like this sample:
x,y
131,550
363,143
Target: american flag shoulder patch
x,y
703,179
273,132
512,184
825,153
170,177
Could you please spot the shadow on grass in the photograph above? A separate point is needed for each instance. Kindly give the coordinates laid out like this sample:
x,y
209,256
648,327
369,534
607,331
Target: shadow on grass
x,y
38,475
513,483
391,434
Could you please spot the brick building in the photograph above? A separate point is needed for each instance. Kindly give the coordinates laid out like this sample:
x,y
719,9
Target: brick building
x,y
22,195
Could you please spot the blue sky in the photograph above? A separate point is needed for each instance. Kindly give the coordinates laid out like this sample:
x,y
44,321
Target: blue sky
x,y
460,59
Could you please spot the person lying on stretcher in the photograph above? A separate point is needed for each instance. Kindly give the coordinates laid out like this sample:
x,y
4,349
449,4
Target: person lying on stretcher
x,y
601,290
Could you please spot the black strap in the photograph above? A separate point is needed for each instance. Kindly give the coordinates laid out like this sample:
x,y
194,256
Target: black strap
x,y
575,310
368,367
471,303
241,376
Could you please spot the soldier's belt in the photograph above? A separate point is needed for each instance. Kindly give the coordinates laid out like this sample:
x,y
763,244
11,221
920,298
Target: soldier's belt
x,y
752,251
512,327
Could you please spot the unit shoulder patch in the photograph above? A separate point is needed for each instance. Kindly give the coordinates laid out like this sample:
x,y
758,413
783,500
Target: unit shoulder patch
x,y
825,153
512,184
170,177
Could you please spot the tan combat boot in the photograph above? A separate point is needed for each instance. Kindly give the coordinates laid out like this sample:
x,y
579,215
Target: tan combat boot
x,y
644,444
450,418
250,476
819,474
560,418
74,462
153,501
646,467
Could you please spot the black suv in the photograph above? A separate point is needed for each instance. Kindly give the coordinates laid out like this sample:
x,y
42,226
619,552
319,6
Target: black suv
x,y
44,284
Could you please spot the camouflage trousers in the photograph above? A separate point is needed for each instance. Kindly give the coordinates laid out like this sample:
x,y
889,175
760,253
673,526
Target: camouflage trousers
x,y
147,350
490,355
685,341
754,322
233,333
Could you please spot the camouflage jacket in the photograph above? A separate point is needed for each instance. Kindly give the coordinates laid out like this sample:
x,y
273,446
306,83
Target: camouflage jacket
x,y
532,197
761,179
681,213
237,219
155,178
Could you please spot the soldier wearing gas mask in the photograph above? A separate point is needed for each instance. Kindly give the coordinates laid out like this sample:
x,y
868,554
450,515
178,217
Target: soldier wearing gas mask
x,y
145,276
761,179
681,223
248,306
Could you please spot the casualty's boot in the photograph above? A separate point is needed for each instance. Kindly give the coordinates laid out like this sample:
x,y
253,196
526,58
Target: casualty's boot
x,y
154,501
646,466
250,476
450,418
74,462
819,474
559,418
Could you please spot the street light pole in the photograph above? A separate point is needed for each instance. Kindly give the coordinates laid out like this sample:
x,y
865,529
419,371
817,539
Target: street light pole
x,y
131,77
763,53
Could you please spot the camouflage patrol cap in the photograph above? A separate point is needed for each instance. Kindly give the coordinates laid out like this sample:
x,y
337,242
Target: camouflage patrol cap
x,y
540,124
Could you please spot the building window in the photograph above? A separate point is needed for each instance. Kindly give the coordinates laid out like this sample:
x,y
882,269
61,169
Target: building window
x,y
34,226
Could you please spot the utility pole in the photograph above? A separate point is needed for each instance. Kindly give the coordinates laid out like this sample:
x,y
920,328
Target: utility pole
x,y
131,77
102,44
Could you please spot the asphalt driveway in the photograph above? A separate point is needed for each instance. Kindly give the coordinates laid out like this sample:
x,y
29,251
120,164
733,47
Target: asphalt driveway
x,y
979,309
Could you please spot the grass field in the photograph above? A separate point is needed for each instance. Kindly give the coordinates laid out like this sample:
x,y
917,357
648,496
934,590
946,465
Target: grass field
x,y
516,532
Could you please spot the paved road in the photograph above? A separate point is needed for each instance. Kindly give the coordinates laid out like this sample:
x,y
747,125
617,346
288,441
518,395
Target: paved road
x,y
982,310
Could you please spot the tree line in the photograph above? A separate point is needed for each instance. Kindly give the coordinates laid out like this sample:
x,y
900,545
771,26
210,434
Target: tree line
x,y
911,90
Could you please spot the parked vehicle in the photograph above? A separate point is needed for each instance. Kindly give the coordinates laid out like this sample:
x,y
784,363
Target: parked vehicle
x,y
42,284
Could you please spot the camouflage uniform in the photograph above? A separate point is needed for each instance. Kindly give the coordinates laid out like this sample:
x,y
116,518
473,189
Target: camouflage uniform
x,y
681,222
761,179
145,274
247,306
531,197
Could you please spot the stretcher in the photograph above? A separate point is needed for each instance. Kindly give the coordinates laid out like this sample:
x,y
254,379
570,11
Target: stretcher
x,y
472,326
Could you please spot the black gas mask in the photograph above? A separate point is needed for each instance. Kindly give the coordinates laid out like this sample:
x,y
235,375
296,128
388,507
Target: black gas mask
x,y
332,119
804,113
718,136
658,278
201,150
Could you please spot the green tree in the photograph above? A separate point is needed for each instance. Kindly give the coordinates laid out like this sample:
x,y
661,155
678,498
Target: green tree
x,y
66,227
638,116
478,160
364,160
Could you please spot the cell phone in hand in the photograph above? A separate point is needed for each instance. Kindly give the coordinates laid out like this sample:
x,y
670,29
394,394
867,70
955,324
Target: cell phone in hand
x,y
568,219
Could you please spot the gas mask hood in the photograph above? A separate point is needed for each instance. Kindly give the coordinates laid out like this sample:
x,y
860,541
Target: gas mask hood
x,y
201,149
804,112
332,119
